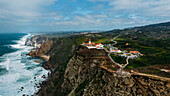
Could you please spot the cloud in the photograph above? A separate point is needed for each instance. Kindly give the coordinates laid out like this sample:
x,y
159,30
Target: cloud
x,y
18,14
146,8
50,15
23,9
80,11
83,20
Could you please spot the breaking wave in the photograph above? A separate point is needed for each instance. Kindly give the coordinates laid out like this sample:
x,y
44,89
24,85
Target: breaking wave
x,y
19,74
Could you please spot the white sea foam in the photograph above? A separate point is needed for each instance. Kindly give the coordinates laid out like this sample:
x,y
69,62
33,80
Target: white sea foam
x,y
20,43
7,64
21,72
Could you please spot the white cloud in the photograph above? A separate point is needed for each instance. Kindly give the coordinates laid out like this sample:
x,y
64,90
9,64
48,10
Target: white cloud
x,y
25,9
147,8
87,19
99,14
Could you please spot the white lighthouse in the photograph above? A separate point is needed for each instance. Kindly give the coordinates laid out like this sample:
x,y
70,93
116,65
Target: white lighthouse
x,y
92,45
89,41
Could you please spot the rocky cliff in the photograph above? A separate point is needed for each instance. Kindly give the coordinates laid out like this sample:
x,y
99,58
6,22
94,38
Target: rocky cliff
x,y
77,71
43,46
84,76
36,40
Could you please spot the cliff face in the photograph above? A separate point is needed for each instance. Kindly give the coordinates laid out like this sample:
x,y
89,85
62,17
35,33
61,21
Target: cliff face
x,y
42,51
83,75
76,72
36,39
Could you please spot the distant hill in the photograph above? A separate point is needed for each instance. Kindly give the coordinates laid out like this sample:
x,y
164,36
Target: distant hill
x,y
158,31
75,74
167,24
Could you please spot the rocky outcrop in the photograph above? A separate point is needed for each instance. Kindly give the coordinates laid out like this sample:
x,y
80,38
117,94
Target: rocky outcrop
x,y
42,51
79,73
83,76
36,40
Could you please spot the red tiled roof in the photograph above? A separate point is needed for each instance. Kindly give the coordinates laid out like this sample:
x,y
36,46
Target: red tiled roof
x,y
134,52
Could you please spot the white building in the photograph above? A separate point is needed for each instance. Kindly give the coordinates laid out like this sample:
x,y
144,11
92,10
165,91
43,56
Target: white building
x,y
92,45
116,51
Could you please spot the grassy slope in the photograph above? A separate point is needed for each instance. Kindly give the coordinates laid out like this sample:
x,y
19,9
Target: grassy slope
x,y
118,59
153,42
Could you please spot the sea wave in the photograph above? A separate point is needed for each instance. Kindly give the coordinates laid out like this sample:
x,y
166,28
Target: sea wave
x,y
20,78
20,43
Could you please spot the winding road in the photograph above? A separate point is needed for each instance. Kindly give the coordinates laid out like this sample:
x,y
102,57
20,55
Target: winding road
x,y
120,65
127,62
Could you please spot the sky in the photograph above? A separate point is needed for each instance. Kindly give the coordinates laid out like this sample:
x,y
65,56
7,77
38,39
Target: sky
x,y
77,15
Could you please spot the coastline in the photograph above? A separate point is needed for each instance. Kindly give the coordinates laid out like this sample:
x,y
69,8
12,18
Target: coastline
x,y
35,53
22,74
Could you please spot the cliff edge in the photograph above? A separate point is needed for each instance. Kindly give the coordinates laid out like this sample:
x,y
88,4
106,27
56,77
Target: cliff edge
x,y
84,75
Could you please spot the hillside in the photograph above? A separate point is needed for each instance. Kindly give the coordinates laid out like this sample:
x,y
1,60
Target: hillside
x,y
77,71
84,76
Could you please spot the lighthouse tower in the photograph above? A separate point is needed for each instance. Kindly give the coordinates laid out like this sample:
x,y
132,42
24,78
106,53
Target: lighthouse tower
x,y
89,41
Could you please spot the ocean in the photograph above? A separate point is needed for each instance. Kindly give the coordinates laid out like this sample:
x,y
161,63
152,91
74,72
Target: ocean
x,y
19,74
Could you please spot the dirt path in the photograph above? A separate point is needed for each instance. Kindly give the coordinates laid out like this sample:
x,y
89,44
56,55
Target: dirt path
x,y
127,62
149,75
104,67
134,73
165,70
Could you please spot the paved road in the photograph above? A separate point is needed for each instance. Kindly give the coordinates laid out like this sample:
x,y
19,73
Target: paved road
x,y
114,61
115,42
127,62
120,65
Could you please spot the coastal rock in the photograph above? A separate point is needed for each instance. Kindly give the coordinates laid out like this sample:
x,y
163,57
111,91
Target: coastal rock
x,y
81,74
36,41
81,78
28,42
42,51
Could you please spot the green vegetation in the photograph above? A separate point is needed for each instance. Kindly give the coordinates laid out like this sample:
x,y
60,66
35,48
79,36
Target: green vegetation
x,y
63,49
156,51
106,47
118,59
101,40
128,54
146,61
65,46
152,41
80,88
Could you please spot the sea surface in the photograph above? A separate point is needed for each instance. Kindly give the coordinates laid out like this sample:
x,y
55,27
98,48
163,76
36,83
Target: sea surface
x,y
19,74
